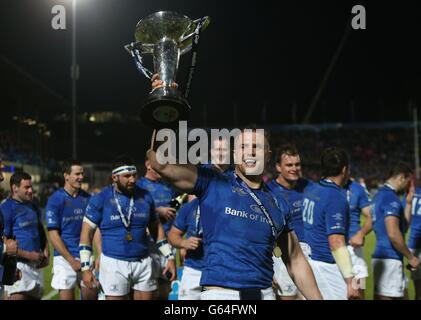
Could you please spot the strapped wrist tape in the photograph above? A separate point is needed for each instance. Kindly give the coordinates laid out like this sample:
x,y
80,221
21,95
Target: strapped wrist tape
x,y
343,260
85,252
165,249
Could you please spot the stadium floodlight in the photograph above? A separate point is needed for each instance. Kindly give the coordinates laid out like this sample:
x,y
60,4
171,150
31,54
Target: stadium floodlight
x,y
74,74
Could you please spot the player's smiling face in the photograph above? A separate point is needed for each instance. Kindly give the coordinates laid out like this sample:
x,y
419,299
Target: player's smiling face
x,y
24,191
251,153
289,167
75,178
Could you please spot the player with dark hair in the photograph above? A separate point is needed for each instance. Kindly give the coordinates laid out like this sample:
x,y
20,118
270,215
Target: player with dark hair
x,y
64,214
123,212
8,247
22,220
325,216
290,185
391,221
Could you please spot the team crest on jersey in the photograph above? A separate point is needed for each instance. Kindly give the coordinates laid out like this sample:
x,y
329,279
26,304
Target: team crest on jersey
x,y
150,188
161,195
139,201
256,208
239,191
20,210
67,203
297,204
133,210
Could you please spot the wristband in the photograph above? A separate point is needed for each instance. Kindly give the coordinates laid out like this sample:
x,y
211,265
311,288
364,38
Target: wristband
x,y
165,249
85,253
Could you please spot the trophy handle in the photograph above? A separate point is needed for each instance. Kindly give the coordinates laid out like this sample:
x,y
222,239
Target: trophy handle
x,y
135,49
194,27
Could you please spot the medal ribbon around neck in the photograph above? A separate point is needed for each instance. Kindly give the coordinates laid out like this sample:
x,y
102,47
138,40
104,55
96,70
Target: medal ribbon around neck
x,y
259,203
127,222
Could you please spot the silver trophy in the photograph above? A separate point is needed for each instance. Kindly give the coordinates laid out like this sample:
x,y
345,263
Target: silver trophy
x,y
166,36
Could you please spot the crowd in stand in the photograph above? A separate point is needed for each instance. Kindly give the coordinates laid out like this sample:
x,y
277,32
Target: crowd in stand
x,y
372,151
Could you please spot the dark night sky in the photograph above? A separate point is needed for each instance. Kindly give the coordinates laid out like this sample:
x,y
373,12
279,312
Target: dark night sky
x,y
252,53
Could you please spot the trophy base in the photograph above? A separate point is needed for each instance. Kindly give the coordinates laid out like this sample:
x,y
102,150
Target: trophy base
x,y
164,108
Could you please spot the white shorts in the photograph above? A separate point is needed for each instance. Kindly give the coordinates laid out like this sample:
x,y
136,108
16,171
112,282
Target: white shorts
x,y
159,262
329,280
117,277
286,286
31,283
306,249
190,288
64,277
389,278
416,275
359,266
227,294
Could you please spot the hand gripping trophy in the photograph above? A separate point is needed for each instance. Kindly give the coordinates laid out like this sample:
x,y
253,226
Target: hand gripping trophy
x,y
166,36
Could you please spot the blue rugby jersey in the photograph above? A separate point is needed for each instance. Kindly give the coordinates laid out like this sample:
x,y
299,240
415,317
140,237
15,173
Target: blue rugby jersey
x,y
238,238
65,214
386,203
414,241
294,198
22,220
162,193
358,199
102,210
325,212
186,222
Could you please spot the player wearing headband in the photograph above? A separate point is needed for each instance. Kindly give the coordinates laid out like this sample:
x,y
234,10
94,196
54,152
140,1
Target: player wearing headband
x,y
123,212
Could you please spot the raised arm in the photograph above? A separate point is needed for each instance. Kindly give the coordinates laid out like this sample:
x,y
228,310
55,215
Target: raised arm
x,y
182,177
